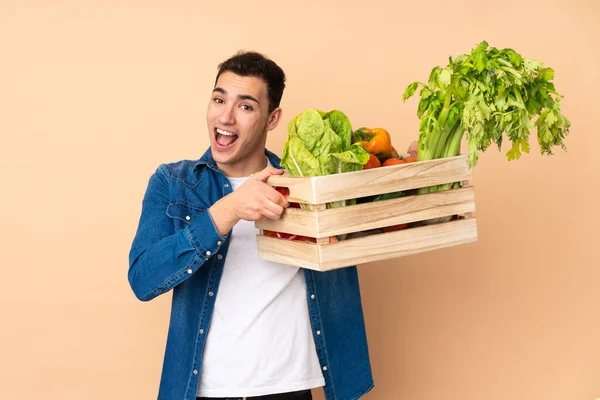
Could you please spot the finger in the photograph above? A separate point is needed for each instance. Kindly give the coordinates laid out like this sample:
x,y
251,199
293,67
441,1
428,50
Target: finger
x,y
270,214
283,201
261,175
278,198
272,210
276,171
266,173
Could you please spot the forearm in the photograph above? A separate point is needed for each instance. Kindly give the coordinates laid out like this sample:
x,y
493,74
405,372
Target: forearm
x,y
163,265
156,268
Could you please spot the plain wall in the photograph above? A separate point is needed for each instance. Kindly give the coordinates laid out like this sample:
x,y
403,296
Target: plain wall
x,y
94,95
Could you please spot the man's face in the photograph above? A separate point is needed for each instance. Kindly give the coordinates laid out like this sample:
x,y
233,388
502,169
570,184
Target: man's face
x,y
238,120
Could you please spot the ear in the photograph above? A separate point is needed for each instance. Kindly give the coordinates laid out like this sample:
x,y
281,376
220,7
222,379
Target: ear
x,y
274,119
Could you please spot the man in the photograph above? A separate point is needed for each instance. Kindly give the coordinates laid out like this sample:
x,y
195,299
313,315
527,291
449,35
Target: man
x,y
241,327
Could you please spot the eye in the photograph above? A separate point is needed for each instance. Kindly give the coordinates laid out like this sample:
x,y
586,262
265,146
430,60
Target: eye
x,y
218,100
246,107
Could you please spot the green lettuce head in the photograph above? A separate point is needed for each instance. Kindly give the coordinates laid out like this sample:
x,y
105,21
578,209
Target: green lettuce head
x,y
319,143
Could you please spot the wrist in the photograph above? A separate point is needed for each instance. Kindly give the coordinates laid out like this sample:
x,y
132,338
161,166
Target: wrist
x,y
223,215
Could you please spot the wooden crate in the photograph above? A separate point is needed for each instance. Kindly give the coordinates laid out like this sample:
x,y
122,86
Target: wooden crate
x,y
321,223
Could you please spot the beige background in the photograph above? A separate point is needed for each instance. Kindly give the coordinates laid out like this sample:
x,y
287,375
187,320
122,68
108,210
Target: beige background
x,y
94,95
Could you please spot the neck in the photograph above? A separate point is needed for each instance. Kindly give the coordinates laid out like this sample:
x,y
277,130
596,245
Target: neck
x,y
245,168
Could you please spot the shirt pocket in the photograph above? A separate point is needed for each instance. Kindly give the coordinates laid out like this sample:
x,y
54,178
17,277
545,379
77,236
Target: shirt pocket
x,y
183,213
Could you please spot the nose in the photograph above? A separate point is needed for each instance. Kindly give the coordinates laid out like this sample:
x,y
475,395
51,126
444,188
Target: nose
x,y
227,117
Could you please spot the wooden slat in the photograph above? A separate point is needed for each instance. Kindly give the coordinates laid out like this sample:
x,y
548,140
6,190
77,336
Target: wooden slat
x,y
369,248
289,252
350,185
301,188
391,179
293,220
362,217
398,244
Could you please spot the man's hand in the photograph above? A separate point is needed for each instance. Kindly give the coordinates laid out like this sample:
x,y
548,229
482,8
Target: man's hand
x,y
413,149
253,201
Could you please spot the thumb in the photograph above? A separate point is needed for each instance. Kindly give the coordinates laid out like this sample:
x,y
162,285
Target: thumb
x,y
266,173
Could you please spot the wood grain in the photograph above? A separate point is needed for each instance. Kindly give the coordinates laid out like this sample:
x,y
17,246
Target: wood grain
x,y
397,244
350,185
361,217
289,252
369,248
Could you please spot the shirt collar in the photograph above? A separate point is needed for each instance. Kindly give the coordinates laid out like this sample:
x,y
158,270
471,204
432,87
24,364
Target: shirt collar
x,y
207,159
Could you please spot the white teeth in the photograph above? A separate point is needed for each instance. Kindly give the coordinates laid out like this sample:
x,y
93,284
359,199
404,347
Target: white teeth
x,y
225,133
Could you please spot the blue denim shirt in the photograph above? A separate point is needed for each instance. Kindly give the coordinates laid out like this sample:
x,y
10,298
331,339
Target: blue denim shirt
x,y
178,247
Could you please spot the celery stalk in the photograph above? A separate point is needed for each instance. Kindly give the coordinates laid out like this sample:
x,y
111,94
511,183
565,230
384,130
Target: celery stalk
x,y
486,94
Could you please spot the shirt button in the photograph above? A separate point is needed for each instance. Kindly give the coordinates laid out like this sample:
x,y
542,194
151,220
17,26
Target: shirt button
x,y
195,372
219,256
219,243
227,185
324,368
312,296
202,331
189,271
210,293
318,332
208,253
187,218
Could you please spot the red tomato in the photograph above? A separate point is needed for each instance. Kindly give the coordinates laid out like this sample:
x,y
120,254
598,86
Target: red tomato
x,y
393,161
372,163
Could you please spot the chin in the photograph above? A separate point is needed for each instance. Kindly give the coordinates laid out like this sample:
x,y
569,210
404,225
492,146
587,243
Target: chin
x,y
222,157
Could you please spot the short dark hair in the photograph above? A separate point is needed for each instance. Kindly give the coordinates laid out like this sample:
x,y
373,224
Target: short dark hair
x,y
251,63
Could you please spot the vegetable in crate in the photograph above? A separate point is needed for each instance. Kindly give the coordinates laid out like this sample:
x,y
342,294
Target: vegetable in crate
x,y
319,143
376,141
485,94
373,162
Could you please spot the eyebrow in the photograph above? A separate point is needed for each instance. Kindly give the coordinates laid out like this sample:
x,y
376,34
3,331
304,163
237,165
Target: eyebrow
x,y
240,96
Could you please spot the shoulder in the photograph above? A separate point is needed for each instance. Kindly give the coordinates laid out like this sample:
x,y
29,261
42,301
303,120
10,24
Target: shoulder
x,y
189,172
177,168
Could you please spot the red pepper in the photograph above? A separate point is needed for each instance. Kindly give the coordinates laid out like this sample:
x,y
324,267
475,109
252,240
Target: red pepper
x,y
286,192
289,236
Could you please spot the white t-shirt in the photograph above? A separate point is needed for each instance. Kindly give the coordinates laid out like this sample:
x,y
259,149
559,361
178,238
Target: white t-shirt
x,y
260,340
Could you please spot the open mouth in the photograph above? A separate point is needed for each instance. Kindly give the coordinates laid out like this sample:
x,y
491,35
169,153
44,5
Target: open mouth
x,y
224,139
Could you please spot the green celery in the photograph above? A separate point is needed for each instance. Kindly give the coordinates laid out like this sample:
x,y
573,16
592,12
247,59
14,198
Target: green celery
x,y
486,94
